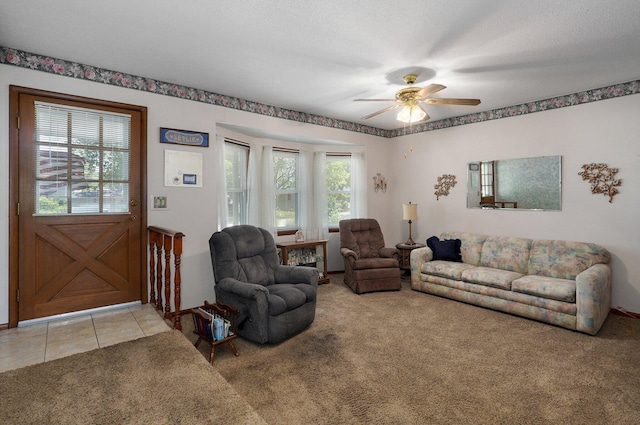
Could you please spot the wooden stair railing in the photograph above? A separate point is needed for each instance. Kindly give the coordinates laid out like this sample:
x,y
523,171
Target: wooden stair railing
x,y
164,242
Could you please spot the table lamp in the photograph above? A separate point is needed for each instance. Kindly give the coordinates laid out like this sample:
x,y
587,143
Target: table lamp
x,y
410,212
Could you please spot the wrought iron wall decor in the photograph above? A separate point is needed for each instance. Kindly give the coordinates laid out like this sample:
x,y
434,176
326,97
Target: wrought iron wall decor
x,y
602,178
445,182
379,183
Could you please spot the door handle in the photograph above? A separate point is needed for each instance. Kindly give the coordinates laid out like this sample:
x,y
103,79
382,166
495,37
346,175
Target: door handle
x,y
133,218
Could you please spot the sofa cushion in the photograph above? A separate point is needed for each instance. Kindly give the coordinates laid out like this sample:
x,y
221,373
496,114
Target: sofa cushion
x,y
565,259
448,269
471,245
490,277
375,263
506,253
485,295
546,287
286,296
446,250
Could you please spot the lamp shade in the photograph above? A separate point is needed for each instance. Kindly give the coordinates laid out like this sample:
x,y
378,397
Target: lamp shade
x,y
409,211
411,113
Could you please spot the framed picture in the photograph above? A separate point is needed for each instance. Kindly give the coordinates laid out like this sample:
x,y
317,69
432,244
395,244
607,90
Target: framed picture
x,y
182,169
184,137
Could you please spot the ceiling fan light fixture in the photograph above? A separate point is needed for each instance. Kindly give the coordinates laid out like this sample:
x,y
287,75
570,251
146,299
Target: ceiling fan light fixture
x,y
411,113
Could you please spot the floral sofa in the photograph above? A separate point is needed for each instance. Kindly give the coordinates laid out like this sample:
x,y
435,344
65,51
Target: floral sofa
x,y
567,284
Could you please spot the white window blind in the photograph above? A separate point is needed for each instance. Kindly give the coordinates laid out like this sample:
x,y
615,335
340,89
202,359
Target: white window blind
x,y
82,160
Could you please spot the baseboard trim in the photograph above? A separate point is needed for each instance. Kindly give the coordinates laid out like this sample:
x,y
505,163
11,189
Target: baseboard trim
x,y
619,312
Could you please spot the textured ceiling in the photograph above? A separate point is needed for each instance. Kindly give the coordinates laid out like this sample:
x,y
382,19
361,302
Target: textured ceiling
x,y
316,57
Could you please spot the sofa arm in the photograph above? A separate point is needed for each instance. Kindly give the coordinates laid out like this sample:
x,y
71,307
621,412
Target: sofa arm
x,y
388,253
593,298
251,299
349,254
417,258
296,274
251,291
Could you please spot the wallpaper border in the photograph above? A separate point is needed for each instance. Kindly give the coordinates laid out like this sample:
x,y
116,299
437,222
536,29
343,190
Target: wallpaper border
x,y
100,75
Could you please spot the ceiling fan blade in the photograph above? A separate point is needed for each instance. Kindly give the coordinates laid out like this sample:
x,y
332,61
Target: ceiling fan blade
x,y
374,100
429,90
381,111
452,101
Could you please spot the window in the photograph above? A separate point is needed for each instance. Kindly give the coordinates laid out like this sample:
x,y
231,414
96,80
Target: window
x,y
285,171
487,182
82,160
338,175
236,158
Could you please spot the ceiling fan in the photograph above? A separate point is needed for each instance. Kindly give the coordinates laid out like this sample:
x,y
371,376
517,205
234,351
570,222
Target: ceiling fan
x,y
410,99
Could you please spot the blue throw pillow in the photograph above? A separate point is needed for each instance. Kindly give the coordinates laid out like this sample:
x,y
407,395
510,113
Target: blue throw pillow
x,y
446,250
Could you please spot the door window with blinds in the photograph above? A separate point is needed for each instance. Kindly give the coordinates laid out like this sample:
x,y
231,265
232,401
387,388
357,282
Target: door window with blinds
x,y
82,160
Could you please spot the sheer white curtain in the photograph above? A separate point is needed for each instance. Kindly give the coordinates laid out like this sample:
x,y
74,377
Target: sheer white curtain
x,y
306,218
268,193
320,207
221,183
253,188
358,186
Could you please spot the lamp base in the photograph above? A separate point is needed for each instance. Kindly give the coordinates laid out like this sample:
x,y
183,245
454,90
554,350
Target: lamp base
x,y
410,240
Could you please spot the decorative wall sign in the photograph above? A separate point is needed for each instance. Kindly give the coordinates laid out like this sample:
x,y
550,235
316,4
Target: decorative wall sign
x,y
182,169
445,182
602,178
184,137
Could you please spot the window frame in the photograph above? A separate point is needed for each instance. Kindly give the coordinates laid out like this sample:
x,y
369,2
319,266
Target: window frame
x,y
293,153
243,216
63,174
334,156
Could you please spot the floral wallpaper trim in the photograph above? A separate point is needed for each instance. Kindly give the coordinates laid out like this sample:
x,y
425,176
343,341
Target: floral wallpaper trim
x,y
100,75
609,92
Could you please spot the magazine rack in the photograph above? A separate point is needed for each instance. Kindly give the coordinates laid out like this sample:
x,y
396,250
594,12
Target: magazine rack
x,y
203,326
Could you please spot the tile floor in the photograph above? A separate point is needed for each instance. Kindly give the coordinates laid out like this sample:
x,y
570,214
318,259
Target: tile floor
x,y
42,342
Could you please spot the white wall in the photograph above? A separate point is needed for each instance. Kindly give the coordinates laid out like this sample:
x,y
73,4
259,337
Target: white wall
x,y
601,132
191,210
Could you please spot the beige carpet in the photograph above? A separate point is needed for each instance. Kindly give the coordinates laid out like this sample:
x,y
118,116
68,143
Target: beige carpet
x,y
410,358
159,379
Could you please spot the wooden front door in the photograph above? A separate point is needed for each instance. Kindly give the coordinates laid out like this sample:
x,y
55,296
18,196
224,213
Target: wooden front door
x,y
80,204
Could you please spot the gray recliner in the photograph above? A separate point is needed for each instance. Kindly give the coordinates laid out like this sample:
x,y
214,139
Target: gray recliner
x,y
275,301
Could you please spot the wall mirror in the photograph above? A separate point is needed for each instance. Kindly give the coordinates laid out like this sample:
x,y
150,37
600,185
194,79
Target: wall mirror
x,y
516,184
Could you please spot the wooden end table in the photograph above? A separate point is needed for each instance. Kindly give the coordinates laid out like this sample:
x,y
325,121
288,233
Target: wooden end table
x,y
288,246
404,251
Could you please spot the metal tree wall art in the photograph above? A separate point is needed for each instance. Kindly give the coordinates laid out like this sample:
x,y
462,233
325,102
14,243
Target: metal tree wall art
x,y
602,178
379,182
445,182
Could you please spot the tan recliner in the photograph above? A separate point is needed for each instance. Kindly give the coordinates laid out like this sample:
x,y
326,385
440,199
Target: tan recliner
x,y
368,265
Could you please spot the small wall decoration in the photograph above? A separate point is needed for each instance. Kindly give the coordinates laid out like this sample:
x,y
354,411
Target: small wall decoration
x,y
445,182
602,178
380,183
184,137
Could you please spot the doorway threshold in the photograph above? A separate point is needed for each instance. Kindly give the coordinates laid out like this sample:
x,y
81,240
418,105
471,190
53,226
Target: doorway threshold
x,y
77,313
